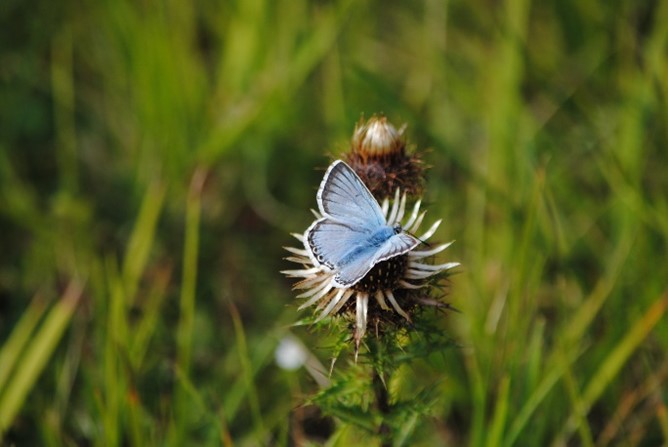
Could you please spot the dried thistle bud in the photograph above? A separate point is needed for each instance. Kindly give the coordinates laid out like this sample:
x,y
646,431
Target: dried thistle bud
x,y
378,154
378,139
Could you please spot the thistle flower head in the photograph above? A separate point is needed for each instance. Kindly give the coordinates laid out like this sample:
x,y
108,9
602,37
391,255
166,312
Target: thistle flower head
x,y
379,156
368,260
396,285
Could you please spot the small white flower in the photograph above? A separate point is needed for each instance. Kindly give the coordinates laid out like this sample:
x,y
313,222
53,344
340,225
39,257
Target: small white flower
x,y
290,354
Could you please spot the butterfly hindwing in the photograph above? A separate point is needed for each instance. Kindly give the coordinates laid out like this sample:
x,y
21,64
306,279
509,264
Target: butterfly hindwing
x,y
396,245
330,241
358,266
350,273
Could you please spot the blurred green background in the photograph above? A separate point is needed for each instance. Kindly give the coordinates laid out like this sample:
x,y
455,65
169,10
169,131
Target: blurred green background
x,y
155,155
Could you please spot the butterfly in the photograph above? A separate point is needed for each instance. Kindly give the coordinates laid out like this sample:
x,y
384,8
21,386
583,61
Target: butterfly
x,y
353,234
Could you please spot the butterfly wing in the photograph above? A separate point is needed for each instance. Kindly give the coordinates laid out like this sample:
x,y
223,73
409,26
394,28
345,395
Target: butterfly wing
x,y
364,260
345,198
345,239
396,245
329,241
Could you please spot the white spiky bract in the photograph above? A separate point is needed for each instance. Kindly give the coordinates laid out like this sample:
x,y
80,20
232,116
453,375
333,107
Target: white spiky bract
x,y
318,284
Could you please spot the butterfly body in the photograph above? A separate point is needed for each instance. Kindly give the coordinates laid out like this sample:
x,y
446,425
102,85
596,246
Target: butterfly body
x,y
353,235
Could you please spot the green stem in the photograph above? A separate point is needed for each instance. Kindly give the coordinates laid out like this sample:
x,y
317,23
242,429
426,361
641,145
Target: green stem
x,y
381,395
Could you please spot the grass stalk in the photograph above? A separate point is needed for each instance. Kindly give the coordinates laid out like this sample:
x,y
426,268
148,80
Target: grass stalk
x,y
14,346
248,375
37,353
185,328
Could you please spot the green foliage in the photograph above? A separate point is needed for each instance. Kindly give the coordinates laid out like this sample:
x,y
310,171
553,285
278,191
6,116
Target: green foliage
x,y
382,393
155,155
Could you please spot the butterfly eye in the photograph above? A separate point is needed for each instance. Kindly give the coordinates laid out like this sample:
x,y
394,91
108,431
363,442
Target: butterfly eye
x,y
397,229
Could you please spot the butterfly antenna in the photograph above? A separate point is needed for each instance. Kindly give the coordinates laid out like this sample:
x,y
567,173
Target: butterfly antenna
x,y
421,241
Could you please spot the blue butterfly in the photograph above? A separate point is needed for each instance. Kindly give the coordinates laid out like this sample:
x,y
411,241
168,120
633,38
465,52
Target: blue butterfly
x,y
352,235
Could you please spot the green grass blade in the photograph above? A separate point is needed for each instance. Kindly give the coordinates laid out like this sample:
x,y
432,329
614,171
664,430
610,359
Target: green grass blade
x,y
478,386
15,344
184,333
37,354
613,363
115,342
500,414
146,327
247,372
574,393
141,241
538,395
198,402
189,274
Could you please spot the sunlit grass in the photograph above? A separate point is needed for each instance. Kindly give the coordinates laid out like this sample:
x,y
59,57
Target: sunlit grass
x,y
154,157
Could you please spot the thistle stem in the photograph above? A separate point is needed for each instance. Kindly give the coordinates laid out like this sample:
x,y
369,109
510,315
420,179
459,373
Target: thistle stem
x,y
381,394
383,405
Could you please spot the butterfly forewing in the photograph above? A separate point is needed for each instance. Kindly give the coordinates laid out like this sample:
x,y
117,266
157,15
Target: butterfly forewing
x,y
343,197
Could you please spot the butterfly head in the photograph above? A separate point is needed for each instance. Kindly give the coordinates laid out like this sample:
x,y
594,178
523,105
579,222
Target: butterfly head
x,y
397,228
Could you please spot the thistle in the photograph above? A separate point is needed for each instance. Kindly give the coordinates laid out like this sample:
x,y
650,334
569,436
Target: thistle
x,y
367,260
